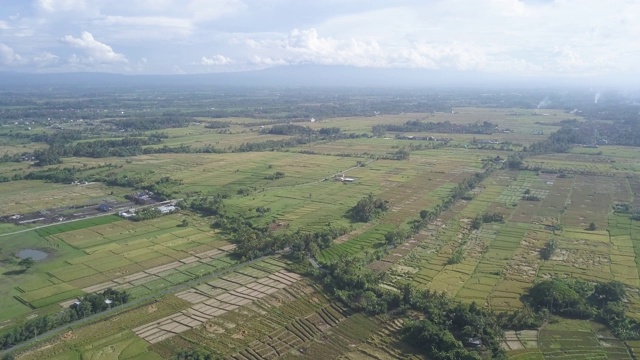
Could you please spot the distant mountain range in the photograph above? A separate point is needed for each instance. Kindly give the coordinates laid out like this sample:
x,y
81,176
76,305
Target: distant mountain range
x,y
288,76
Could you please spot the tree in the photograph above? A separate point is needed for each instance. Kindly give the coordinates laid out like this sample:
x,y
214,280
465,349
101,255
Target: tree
x,y
592,226
27,263
184,223
608,292
195,354
424,214
262,210
514,161
368,208
547,251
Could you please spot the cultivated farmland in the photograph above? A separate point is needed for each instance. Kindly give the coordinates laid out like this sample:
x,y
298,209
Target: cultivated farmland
x,y
196,282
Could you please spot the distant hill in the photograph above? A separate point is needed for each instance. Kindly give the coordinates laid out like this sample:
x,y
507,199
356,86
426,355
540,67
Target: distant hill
x,y
296,76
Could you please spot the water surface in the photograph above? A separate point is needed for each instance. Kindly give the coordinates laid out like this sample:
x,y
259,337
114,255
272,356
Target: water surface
x,y
34,254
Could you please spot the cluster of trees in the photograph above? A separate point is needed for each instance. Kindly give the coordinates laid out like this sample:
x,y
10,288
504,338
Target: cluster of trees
x,y
87,305
625,133
441,327
530,197
456,257
330,131
128,146
262,210
398,235
368,208
163,188
486,218
276,175
581,299
147,213
559,142
165,121
626,208
288,129
65,175
401,154
208,205
58,137
548,250
446,127
272,145
217,125
292,129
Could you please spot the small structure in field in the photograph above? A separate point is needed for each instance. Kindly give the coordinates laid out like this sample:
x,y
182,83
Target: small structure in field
x,y
344,179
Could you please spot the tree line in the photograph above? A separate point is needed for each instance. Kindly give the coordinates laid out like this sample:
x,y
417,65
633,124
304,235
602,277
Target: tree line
x,y
445,127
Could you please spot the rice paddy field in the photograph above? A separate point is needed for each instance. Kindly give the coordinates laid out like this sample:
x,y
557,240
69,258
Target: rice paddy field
x,y
203,296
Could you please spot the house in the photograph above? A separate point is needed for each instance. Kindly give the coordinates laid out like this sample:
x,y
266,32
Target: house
x,y
166,209
474,342
142,197
128,213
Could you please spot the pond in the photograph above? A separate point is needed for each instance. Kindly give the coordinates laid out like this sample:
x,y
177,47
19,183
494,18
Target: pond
x,y
34,254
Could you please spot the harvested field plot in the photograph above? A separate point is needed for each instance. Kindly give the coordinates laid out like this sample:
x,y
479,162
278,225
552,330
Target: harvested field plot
x,y
238,290
20,197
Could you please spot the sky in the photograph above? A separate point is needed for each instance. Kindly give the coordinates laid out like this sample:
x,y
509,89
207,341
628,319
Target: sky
x,y
553,38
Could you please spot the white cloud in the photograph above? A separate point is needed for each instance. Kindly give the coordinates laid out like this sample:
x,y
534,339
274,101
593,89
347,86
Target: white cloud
x,y
97,52
46,58
204,10
307,46
4,25
159,21
8,56
216,60
267,61
61,5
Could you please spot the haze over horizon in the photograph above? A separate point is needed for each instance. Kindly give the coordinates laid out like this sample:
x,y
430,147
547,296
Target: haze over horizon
x,y
568,40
